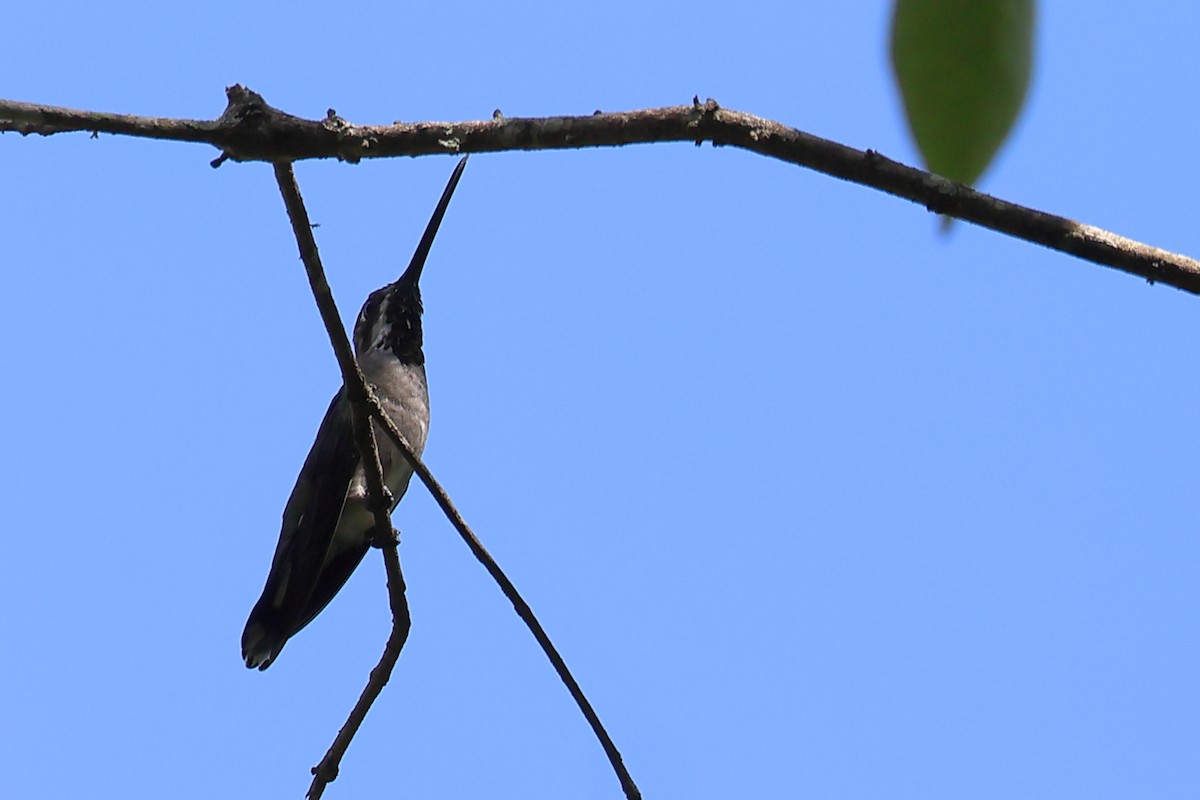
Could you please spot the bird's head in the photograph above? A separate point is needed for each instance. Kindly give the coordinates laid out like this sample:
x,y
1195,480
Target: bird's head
x,y
391,317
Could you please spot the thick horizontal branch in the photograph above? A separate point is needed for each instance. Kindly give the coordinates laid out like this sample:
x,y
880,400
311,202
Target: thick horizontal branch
x,y
251,130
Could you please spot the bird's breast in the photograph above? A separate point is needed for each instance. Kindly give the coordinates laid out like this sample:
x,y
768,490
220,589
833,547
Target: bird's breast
x,y
404,397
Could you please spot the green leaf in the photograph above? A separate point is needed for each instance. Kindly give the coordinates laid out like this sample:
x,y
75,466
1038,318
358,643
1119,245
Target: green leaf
x,y
963,67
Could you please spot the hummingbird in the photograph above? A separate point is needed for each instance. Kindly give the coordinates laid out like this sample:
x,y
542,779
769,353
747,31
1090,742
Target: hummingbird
x,y
327,523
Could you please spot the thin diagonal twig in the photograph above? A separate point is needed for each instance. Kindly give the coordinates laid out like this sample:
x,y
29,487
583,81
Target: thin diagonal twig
x,y
357,393
510,591
364,405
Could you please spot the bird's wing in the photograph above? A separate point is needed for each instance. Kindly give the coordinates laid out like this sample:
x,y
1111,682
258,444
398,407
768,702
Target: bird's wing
x,y
330,580
309,521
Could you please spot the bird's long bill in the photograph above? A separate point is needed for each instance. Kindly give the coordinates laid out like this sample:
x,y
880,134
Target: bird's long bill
x,y
413,273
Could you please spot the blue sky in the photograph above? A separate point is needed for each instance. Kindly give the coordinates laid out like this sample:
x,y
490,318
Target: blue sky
x,y
815,501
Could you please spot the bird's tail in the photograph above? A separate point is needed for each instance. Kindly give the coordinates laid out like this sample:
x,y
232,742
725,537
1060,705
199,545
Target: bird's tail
x,y
264,636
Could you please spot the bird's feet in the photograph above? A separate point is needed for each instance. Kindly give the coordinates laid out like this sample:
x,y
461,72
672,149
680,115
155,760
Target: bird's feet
x,y
391,540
